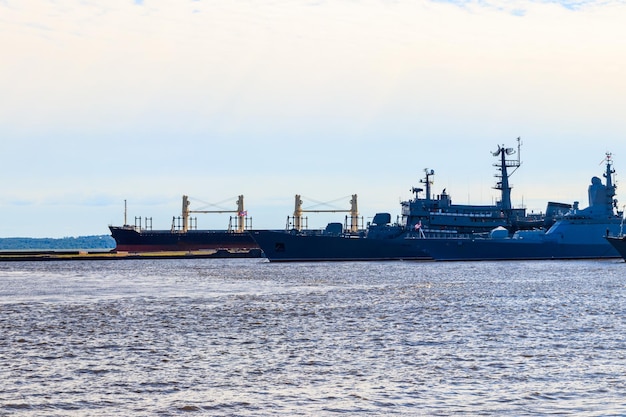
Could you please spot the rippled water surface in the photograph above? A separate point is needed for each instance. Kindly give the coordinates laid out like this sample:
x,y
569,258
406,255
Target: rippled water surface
x,y
250,338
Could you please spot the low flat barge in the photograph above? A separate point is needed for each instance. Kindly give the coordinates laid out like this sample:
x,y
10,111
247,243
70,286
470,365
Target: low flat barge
x,y
77,255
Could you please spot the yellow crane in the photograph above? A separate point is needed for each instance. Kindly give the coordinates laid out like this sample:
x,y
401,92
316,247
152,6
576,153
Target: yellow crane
x,y
240,214
354,213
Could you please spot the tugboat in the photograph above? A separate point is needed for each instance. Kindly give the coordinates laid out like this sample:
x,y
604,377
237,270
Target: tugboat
x,y
423,218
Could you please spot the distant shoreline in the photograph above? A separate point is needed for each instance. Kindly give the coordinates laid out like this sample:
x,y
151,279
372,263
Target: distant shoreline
x,y
98,247
94,242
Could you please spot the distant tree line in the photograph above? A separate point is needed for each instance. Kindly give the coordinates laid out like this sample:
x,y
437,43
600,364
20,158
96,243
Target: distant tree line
x,y
80,242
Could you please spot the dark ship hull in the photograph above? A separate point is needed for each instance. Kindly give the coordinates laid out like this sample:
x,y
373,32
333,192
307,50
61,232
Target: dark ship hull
x,y
284,247
131,239
280,246
619,244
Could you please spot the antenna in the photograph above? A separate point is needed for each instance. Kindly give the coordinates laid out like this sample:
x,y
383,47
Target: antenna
x,y
607,157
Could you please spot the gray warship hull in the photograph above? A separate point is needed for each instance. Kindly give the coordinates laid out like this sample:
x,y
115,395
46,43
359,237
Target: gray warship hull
x,y
485,249
619,244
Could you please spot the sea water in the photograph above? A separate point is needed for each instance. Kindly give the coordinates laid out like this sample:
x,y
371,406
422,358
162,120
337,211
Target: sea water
x,y
250,338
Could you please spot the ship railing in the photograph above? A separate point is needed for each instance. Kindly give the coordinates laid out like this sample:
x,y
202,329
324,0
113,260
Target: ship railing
x,y
132,227
483,215
239,224
139,225
439,234
511,163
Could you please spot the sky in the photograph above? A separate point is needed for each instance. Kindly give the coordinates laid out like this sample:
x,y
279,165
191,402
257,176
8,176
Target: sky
x,y
111,102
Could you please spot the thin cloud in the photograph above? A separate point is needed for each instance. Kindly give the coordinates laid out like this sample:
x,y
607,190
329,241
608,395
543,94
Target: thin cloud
x,y
520,7
149,100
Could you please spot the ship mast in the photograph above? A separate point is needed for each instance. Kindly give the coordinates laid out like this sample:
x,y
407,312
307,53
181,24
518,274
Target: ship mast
x,y
611,201
428,182
503,176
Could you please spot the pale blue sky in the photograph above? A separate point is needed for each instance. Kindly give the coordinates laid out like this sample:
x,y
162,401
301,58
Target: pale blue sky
x,y
103,101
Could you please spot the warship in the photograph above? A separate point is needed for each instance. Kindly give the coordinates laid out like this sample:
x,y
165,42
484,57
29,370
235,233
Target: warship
x,y
579,234
423,218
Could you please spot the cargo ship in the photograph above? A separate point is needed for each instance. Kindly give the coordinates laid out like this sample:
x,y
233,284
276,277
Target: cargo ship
x,y
184,236
423,218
